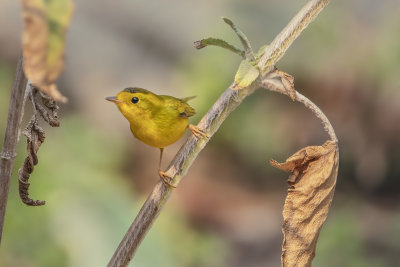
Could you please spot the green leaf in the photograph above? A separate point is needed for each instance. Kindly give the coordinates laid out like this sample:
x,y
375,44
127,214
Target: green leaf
x,y
246,75
243,39
45,23
220,43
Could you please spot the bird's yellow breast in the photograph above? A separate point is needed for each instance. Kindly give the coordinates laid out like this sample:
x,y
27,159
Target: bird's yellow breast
x,y
159,133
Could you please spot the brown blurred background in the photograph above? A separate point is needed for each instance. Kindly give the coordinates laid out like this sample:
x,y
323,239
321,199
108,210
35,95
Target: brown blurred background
x,y
227,212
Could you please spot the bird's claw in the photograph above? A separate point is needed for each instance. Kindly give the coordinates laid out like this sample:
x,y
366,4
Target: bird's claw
x,y
197,132
166,179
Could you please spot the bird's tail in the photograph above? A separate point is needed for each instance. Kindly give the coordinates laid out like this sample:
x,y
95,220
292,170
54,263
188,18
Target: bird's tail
x,y
186,99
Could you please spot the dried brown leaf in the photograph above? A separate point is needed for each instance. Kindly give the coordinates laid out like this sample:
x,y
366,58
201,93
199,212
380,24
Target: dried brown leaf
x,y
312,185
45,23
282,82
49,112
35,137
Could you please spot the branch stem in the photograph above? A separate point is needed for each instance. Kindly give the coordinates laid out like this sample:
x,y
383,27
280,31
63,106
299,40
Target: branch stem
x,y
11,137
318,112
286,37
308,104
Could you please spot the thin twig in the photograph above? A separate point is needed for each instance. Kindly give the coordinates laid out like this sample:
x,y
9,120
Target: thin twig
x,y
210,123
8,153
318,112
272,86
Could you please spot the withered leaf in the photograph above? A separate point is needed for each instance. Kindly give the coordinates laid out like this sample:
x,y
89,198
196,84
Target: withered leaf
x,y
45,23
35,137
311,188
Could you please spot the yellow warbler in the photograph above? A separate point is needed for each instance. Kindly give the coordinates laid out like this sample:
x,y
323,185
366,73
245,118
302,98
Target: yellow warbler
x,y
156,120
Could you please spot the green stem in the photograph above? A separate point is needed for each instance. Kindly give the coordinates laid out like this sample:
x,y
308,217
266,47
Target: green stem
x,y
249,54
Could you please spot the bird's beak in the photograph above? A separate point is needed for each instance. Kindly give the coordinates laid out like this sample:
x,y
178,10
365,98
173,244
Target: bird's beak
x,y
113,99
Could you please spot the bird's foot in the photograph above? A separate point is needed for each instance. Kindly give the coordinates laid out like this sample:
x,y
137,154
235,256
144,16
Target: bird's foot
x,y
197,132
166,179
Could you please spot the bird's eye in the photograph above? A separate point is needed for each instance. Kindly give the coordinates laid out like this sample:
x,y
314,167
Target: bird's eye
x,y
135,100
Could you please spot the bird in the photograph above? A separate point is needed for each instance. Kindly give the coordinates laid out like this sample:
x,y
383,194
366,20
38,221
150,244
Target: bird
x,y
156,120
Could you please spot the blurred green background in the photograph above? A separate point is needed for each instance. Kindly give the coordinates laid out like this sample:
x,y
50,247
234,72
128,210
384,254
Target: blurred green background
x,y
227,212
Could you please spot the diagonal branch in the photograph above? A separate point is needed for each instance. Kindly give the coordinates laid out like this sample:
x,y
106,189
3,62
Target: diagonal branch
x,y
210,123
285,38
11,137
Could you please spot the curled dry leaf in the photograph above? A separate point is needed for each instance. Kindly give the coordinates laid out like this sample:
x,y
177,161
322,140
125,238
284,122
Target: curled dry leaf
x,y
51,114
35,135
288,83
312,184
284,85
45,23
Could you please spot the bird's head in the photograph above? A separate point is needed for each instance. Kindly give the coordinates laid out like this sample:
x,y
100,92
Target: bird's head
x,y
136,103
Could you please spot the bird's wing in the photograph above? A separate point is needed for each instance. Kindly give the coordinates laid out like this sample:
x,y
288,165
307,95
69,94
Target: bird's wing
x,y
185,110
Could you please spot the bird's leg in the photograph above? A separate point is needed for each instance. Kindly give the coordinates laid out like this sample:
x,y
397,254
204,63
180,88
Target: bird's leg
x,y
197,132
163,176
161,154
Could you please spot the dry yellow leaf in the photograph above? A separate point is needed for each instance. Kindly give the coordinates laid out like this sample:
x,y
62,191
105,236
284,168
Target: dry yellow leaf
x,y
311,188
45,22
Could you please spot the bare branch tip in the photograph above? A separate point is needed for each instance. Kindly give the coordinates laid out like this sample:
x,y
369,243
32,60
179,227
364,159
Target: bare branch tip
x,y
227,21
199,44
